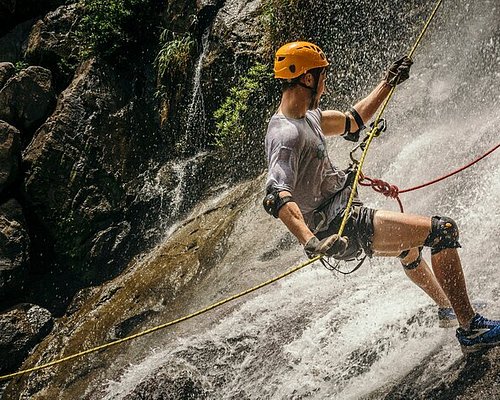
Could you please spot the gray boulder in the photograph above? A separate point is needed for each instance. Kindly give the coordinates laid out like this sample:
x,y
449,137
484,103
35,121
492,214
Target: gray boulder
x,y
14,249
10,153
27,98
21,328
7,69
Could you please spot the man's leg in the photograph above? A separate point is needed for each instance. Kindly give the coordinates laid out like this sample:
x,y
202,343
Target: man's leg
x,y
448,270
423,277
395,232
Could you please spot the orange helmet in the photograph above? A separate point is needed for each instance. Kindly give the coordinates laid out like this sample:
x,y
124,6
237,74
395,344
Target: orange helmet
x,y
296,58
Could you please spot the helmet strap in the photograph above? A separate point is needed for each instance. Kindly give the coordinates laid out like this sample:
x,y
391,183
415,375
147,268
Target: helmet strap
x,y
314,89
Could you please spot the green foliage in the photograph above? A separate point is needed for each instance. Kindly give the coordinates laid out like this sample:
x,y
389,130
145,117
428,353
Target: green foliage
x,y
234,119
174,55
21,65
108,26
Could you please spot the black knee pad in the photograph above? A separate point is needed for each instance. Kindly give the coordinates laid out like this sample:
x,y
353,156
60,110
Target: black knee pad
x,y
444,235
414,264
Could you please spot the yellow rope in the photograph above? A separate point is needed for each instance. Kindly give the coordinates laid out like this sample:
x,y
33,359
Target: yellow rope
x,y
373,132
159,327
375,129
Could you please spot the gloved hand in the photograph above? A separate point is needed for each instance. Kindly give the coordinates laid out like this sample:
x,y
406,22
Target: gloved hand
x,y
398,71
331,246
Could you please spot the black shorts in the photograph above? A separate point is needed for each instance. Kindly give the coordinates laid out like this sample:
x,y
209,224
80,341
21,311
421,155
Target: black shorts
x,y
359,229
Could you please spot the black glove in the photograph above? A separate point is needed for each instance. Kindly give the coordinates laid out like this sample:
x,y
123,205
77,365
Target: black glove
x,y
331,246
398,71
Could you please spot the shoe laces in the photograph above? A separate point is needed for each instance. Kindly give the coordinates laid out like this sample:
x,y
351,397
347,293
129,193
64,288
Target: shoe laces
x,y
480,322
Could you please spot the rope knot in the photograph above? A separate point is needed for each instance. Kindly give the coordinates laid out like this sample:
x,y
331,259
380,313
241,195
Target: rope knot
x,y
381,186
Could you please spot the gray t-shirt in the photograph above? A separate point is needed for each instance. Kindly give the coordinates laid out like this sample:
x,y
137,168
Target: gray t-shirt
x,y
298,162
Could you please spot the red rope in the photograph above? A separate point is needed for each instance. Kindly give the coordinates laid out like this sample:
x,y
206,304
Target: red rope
x,y
393,191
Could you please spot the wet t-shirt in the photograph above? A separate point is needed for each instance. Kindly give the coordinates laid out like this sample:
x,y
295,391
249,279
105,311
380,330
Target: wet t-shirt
x,y
298,163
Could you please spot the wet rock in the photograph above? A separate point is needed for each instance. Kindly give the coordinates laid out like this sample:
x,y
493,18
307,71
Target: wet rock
x,y
7,69
82,174
13,44
27,98
150,292
21,328
10,153
79,299
53,43
124,328
51,36
14,249
171,382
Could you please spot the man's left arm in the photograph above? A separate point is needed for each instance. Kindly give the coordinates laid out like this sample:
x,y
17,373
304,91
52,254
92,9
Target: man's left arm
x,y
337,123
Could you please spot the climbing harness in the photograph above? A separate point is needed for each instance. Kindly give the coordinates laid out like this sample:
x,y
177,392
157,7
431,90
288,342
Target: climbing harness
x,y
374,132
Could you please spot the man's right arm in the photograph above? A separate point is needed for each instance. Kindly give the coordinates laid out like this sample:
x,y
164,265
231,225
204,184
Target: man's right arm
x,y
292,217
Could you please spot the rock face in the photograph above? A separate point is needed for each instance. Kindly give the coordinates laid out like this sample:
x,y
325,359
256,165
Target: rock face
x,y
53,44
20,329
14,249
82,172
130,302
27,98
7,69
10,154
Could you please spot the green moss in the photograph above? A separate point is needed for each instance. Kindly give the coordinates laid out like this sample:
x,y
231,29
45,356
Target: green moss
x,y
241,122
237,112
21,65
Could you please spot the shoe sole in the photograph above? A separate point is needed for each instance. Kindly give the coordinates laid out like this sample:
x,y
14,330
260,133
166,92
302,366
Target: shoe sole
x,y
466,350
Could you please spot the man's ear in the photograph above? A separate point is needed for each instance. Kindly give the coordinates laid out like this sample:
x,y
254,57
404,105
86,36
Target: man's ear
x,y
308,79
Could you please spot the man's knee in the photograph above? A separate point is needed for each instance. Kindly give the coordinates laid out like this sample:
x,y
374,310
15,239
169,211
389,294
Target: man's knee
x,y
410,259
444,235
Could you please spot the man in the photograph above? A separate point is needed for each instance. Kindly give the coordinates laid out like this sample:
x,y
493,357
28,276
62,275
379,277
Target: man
x,y
309,194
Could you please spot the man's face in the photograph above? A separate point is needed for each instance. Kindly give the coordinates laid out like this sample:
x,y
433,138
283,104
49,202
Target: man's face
x,y
322,82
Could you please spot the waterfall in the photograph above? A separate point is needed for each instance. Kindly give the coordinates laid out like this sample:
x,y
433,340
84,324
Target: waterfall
x,y
196,119
320,335
167,184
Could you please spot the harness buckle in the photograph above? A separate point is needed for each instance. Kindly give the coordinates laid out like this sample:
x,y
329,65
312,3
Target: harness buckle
x,y
381,127
375,131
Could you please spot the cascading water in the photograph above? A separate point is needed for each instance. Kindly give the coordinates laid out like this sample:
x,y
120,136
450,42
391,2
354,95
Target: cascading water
x,y
196,119
154,179
320,335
